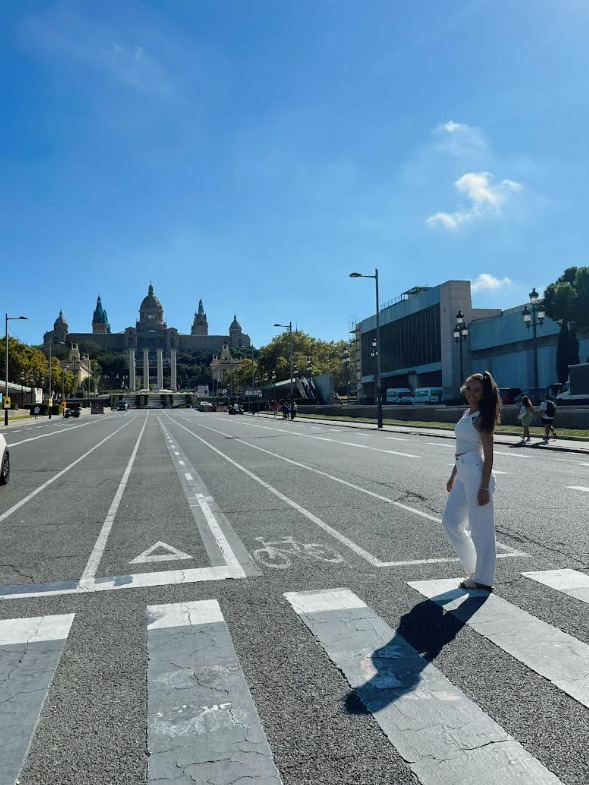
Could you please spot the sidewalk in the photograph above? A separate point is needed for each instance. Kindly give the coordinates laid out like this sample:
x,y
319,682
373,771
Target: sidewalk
x,y
30,419
561,444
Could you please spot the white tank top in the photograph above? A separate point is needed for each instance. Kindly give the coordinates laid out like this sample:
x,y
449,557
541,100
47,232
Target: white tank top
x,y
468,438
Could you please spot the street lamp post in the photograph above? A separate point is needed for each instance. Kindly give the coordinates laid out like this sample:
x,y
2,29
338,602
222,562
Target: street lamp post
x,y
290,363
346,362
7,318
22,389
377,376
309,366
460,335
529,316
31,382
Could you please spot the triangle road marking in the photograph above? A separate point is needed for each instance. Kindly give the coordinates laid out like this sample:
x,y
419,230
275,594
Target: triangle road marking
x,y
173,554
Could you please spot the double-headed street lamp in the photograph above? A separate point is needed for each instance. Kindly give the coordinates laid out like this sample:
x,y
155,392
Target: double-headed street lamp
x,y
377,344
7,318
460,335
537,310
290,364
309,366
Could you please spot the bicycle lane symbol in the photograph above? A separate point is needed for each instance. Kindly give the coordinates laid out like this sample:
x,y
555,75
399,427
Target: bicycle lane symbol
x,y
278,554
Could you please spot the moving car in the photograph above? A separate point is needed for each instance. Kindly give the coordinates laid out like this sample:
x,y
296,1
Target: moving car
x,y
235,408
122,406
4,461
204,406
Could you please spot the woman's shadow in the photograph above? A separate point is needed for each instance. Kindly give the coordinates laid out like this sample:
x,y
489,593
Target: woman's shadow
x,y
397,666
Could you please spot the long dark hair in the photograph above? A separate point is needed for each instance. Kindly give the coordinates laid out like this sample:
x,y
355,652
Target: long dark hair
x,y
527,403
490,403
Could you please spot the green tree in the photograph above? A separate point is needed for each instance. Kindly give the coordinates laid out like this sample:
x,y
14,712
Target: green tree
x,y
326,356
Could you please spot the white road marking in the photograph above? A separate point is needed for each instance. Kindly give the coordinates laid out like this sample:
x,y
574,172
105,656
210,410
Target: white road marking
x,y
183,614
176,452
548,651
52,433
317,521
199,707
396,438
173,554
442,735
27,498
439,444
181,463
570,582
511,454
222,542
26,671
578,488
188,475
35,629
326,439
93,562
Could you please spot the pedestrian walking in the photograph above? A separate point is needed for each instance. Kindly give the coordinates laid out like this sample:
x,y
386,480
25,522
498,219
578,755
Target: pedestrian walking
x,y
275,408
293,410
468,517
525,416
36,411
285,408
548,409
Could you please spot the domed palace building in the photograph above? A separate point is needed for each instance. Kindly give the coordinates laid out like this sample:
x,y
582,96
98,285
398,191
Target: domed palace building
x,y
151,345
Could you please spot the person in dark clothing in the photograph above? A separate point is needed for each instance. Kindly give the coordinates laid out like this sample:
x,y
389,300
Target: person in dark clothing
x,y
285,410
293,410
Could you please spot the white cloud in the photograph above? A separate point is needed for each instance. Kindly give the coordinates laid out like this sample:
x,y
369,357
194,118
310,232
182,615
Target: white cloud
x,y
460,139
486,281
63,35
485,197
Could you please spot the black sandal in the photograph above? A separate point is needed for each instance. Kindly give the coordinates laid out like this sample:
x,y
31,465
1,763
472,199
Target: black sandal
x,y
484,587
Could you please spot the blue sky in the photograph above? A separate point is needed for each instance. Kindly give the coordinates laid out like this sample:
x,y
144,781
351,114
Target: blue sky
x,y
252,153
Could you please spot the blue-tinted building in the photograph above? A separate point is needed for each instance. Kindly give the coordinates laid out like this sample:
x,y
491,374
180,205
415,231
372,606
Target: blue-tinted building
x,y
418,348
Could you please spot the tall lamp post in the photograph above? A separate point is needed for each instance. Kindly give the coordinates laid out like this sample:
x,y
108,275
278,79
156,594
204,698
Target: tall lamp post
x,y
309,366
460,335
346,362
22,389
537,312
377,375
290,364
7,318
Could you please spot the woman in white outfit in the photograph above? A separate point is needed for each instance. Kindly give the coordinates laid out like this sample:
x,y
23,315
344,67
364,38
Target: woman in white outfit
x,y
468,517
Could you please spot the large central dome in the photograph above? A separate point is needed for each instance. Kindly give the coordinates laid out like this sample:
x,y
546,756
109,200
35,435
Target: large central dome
x,y
151,311
150,302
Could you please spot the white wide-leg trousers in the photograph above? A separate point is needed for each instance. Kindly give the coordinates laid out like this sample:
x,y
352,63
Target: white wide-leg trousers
x,y
470,528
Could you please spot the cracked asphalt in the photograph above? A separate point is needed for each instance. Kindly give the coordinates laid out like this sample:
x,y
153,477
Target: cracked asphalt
x,y
294,485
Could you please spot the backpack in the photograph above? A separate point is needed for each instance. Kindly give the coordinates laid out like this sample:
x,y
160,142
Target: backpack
x,y
550,409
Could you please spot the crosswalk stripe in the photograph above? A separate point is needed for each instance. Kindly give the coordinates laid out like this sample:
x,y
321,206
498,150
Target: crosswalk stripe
x,y
443,736
548,651
202,723
29,653
570,582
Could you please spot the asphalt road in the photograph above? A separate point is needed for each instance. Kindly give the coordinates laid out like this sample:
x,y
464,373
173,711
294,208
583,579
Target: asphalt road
x,y
168,609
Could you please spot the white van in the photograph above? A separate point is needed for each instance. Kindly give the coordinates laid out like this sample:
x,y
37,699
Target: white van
x,y
399,395
428,395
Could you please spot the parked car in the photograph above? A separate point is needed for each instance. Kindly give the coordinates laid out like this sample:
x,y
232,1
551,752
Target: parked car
x,y
122,406
75,412
398,395
204,406
428,395
4,461
509,394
